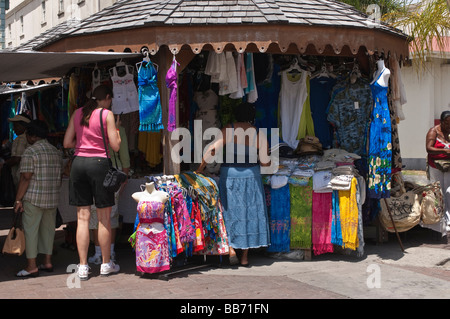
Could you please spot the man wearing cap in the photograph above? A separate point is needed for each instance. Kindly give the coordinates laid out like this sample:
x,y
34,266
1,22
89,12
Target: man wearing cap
x,y
19,145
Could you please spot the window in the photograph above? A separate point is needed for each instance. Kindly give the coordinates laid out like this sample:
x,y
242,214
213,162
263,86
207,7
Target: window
x,y
43,10
61,7
22,30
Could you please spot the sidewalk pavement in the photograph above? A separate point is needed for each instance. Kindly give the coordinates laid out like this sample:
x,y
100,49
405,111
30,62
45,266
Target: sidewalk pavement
x,y
421,272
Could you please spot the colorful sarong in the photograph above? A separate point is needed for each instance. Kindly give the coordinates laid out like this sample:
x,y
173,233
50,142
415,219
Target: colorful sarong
x,y
301,216
322,214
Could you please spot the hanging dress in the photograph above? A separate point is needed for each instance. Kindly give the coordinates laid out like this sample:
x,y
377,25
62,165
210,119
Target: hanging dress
x,y
171,83
293,95
152,250
380,146
125,97
150,111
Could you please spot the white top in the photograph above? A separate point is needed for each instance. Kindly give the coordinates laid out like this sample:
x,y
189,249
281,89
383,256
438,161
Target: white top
x,y
126,97
293,95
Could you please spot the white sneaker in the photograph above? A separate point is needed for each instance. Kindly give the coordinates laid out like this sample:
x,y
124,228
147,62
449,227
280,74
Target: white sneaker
x,y
109,268
96,259
83,272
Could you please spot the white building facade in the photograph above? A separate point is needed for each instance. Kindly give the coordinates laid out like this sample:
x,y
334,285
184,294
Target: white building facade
x,y
428,95
26,19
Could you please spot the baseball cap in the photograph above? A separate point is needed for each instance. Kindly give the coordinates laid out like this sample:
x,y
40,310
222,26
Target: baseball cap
x,y
20,118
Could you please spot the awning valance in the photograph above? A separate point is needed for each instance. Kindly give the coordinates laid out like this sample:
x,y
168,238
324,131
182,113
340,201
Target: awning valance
x,y
282,39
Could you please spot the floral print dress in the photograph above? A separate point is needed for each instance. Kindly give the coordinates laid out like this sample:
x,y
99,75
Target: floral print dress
x,y
380,144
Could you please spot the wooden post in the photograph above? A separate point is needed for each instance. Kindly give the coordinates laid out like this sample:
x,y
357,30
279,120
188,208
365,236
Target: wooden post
x,y
393,224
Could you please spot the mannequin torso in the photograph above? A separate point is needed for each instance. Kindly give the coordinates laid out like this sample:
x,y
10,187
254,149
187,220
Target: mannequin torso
x,y
152,195
382,80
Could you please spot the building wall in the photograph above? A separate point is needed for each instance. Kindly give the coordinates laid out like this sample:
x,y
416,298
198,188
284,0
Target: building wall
x,y
26,18
2,23
428,95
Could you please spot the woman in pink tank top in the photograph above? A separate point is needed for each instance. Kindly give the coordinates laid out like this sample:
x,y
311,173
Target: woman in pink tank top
x,y
88,170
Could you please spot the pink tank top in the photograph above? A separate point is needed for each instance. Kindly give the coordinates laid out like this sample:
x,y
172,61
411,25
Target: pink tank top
x,y
90,139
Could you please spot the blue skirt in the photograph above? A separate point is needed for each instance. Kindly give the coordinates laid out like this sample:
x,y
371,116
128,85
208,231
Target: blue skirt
x,y
244,207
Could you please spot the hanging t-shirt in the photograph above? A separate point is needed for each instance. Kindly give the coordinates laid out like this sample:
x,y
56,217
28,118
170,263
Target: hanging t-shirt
x,y
349,112
292,98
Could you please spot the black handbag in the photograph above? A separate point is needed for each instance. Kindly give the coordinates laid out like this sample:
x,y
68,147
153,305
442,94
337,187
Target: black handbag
x,y
114,177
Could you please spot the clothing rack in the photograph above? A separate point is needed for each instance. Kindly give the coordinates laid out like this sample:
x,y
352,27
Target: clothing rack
x,y
182,261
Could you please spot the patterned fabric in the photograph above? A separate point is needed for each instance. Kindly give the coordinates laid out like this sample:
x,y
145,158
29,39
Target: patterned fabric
x,y
322,214
280,220
150,212
348,208
185,227
45,162
380,146
210,207
301,215
199,242
336,232
397,161
150,112
349,113
152,252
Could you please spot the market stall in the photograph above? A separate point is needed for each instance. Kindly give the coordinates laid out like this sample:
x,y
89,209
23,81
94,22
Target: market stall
x,y
327,185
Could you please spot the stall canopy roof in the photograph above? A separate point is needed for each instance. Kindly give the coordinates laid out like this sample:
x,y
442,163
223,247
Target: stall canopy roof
x,y
192,23
32,65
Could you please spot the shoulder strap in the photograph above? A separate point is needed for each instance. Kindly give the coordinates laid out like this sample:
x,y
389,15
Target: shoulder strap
x,y
104,140
103,132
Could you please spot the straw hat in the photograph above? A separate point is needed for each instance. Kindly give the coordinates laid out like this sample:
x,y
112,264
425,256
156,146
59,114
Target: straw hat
x,y
20,118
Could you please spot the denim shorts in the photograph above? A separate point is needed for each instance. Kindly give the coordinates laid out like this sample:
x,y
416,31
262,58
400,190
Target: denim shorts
x,y
86,182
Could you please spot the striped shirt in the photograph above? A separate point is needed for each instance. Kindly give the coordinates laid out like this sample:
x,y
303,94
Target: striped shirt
x,y
45,162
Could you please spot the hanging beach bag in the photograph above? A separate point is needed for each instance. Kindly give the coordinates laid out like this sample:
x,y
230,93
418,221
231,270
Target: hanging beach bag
x,y
432,203
405,211
15,241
